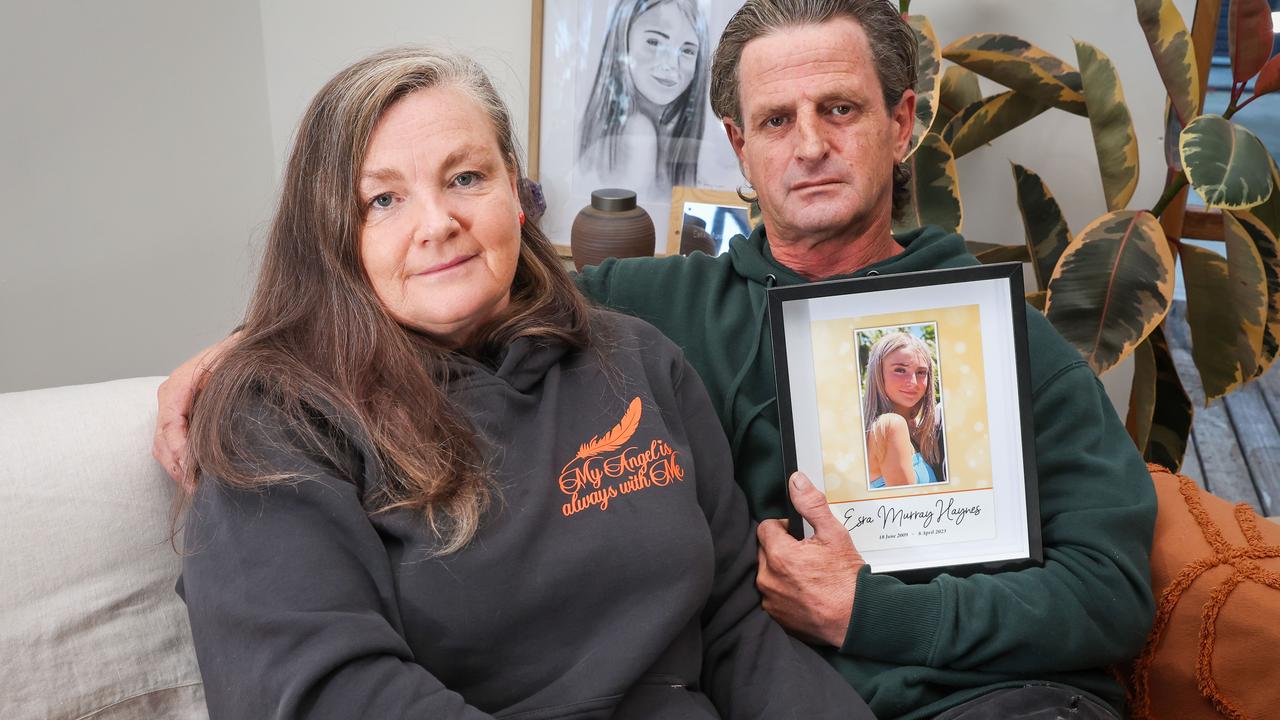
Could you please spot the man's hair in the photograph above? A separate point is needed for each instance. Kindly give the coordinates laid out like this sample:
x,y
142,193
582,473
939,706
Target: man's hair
x,y
893,49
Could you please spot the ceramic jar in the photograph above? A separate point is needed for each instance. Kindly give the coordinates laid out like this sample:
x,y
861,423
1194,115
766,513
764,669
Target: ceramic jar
x,y
611,226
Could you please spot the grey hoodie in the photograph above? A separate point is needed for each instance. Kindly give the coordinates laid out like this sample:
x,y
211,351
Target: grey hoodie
x,y
614,578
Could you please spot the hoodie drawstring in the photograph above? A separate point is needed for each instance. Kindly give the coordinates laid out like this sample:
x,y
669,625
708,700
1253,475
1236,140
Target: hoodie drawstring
x,y
740,428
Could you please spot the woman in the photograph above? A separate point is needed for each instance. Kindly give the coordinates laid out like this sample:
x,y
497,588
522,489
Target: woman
x,y
642,128
435,483
902,416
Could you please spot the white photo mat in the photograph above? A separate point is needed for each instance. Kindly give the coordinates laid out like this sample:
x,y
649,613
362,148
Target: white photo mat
x,y
937,528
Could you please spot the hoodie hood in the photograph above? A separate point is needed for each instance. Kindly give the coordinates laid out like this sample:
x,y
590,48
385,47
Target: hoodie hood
x,y
521,365
926,248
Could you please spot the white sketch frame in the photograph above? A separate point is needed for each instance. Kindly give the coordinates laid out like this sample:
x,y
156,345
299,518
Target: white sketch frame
x,y
558,49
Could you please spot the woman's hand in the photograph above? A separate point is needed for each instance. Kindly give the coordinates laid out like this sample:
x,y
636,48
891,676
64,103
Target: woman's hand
x,y
174,397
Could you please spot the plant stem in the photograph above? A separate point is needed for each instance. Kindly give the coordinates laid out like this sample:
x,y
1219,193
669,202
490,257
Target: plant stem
x,y
1241,106
1237,89
1170,192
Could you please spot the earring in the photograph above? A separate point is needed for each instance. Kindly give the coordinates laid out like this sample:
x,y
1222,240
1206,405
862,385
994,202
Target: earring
x,y
522,217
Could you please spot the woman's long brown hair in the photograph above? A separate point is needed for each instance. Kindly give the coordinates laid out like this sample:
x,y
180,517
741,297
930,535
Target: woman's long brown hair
x,y
317,342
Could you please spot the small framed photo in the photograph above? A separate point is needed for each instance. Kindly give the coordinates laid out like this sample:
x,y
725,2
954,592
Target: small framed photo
x,y
705,219
906,399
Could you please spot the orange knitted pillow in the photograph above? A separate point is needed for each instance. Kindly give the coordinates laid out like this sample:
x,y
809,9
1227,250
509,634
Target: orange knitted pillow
x,y
1215,646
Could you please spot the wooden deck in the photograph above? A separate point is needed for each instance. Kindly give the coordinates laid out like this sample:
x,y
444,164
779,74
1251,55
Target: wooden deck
x,y
1234,451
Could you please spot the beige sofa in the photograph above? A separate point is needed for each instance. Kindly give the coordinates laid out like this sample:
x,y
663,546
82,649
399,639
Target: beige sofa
x,y
90,626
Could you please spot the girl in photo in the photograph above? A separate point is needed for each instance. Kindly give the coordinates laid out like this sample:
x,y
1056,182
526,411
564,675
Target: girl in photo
x,y
903,419
643,124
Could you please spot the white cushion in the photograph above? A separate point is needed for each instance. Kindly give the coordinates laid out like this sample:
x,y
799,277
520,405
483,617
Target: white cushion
x,y
90,625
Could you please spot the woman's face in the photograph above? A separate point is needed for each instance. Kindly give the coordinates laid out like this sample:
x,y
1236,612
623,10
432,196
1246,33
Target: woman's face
x,y
442,232
906,378
662,49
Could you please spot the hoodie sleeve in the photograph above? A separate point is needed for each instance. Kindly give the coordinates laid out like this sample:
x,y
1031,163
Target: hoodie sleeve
x,y
751,667
292,604
1097,516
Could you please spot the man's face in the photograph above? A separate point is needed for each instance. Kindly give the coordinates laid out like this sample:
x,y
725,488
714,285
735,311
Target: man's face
x,y
817,143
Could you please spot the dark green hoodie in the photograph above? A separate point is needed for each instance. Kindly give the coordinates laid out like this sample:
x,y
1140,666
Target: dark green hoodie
x,y
915,650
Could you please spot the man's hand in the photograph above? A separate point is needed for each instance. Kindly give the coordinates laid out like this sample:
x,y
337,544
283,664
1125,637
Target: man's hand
x,y
808,585
175,397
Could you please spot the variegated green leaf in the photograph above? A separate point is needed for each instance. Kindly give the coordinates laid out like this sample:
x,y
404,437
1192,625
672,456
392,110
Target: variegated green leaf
x,y
1226,309
928,64
988,119
977,247
1113,135
1269,212
1226,164
1265,242
1171,416
1142,396
1003,253
935,188
1113,284
1019,65
1042,221
1249,37
1036,299
1174,54
1172,135
959,89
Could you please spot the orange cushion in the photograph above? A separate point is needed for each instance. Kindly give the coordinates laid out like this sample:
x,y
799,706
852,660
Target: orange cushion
x,y
1215,571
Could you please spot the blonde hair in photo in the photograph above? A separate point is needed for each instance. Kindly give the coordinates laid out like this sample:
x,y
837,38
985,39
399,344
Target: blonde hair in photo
x,y
926,421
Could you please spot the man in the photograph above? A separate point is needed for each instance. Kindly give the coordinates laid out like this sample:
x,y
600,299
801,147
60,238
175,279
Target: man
x,y
816,98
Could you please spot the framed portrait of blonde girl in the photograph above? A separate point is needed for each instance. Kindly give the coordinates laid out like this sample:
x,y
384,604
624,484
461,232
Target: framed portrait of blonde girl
x,y
906,399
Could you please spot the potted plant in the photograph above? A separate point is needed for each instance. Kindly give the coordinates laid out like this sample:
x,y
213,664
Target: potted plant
x,y
1109,287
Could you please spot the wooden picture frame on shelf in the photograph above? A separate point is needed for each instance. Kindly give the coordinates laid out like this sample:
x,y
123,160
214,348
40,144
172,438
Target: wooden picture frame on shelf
x,y
726,213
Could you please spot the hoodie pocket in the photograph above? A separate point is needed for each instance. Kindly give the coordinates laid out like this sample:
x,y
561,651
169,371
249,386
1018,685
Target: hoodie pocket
x,y
601,708
665,697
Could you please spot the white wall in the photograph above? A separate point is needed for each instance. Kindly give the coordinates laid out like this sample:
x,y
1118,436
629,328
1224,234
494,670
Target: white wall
x,y
141,142
135,169
307,41
140,148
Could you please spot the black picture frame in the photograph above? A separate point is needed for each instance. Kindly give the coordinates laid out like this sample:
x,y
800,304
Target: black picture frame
x,y
807,318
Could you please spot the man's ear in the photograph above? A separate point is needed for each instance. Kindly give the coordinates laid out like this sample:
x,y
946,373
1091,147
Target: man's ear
x,y
904,117
736,140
